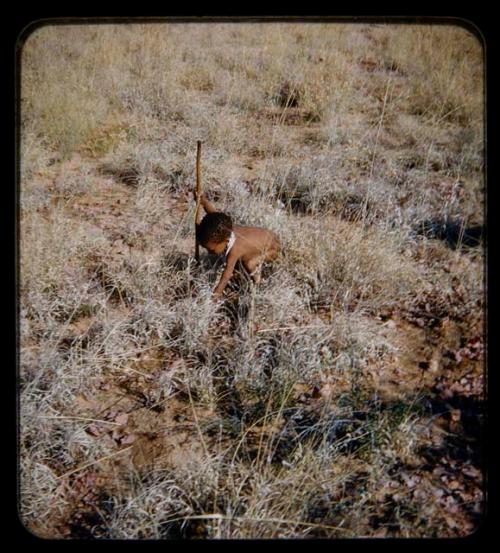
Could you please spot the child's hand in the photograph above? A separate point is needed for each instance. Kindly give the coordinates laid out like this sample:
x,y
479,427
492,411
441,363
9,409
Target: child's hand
x,y
216,297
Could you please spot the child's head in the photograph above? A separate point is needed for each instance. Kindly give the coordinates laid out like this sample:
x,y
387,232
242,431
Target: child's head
x,y
214,231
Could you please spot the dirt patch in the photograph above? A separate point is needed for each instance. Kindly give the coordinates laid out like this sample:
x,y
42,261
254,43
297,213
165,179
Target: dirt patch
x,y
107,205
426,356
164,441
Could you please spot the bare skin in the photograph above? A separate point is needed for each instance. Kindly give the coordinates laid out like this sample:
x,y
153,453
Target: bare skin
x,y
253,246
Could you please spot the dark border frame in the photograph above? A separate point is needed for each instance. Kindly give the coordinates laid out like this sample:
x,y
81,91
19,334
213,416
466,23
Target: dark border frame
x,y
475,26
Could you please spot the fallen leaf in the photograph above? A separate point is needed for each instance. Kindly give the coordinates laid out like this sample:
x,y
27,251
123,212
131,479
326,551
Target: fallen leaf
x,y
409,481
471,472
111,415
327,390
94,429
117,435
451,522
121,419
420,494
128,439
445,322
454,485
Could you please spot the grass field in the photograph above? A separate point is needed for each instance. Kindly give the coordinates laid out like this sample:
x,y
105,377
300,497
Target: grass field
x,y
344,397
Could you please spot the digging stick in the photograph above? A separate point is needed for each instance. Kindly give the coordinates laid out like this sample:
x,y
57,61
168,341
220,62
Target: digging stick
x,y
197,215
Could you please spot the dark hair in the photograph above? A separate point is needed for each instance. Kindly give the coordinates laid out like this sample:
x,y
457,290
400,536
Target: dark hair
x,y
215,226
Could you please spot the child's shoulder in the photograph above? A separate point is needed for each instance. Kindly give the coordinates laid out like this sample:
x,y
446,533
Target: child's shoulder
x,y
244,229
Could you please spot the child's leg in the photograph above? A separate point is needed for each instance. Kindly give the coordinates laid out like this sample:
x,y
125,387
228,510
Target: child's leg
x,y
254,267
257,273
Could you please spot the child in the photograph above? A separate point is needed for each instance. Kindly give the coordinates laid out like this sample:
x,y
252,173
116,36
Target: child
x,y
250,245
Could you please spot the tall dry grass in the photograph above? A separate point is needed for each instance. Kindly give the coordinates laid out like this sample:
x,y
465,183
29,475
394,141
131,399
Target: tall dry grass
x,y
260,417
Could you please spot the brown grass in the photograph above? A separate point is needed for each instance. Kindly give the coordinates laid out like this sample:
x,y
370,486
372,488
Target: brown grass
x,y
343,397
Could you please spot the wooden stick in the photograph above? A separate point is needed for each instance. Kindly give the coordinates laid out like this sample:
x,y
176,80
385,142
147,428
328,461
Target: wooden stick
x,y
197,215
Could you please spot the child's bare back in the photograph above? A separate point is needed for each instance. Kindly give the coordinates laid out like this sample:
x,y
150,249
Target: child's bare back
x,y
251,245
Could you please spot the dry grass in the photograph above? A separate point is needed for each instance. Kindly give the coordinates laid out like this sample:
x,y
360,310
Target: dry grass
x,y
343,396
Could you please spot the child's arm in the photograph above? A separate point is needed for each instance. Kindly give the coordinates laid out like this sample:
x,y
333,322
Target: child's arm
x,y
207,205
226,275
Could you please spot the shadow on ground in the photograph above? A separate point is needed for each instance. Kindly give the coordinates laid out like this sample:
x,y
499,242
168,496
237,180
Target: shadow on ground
x,y
453,233
463,443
